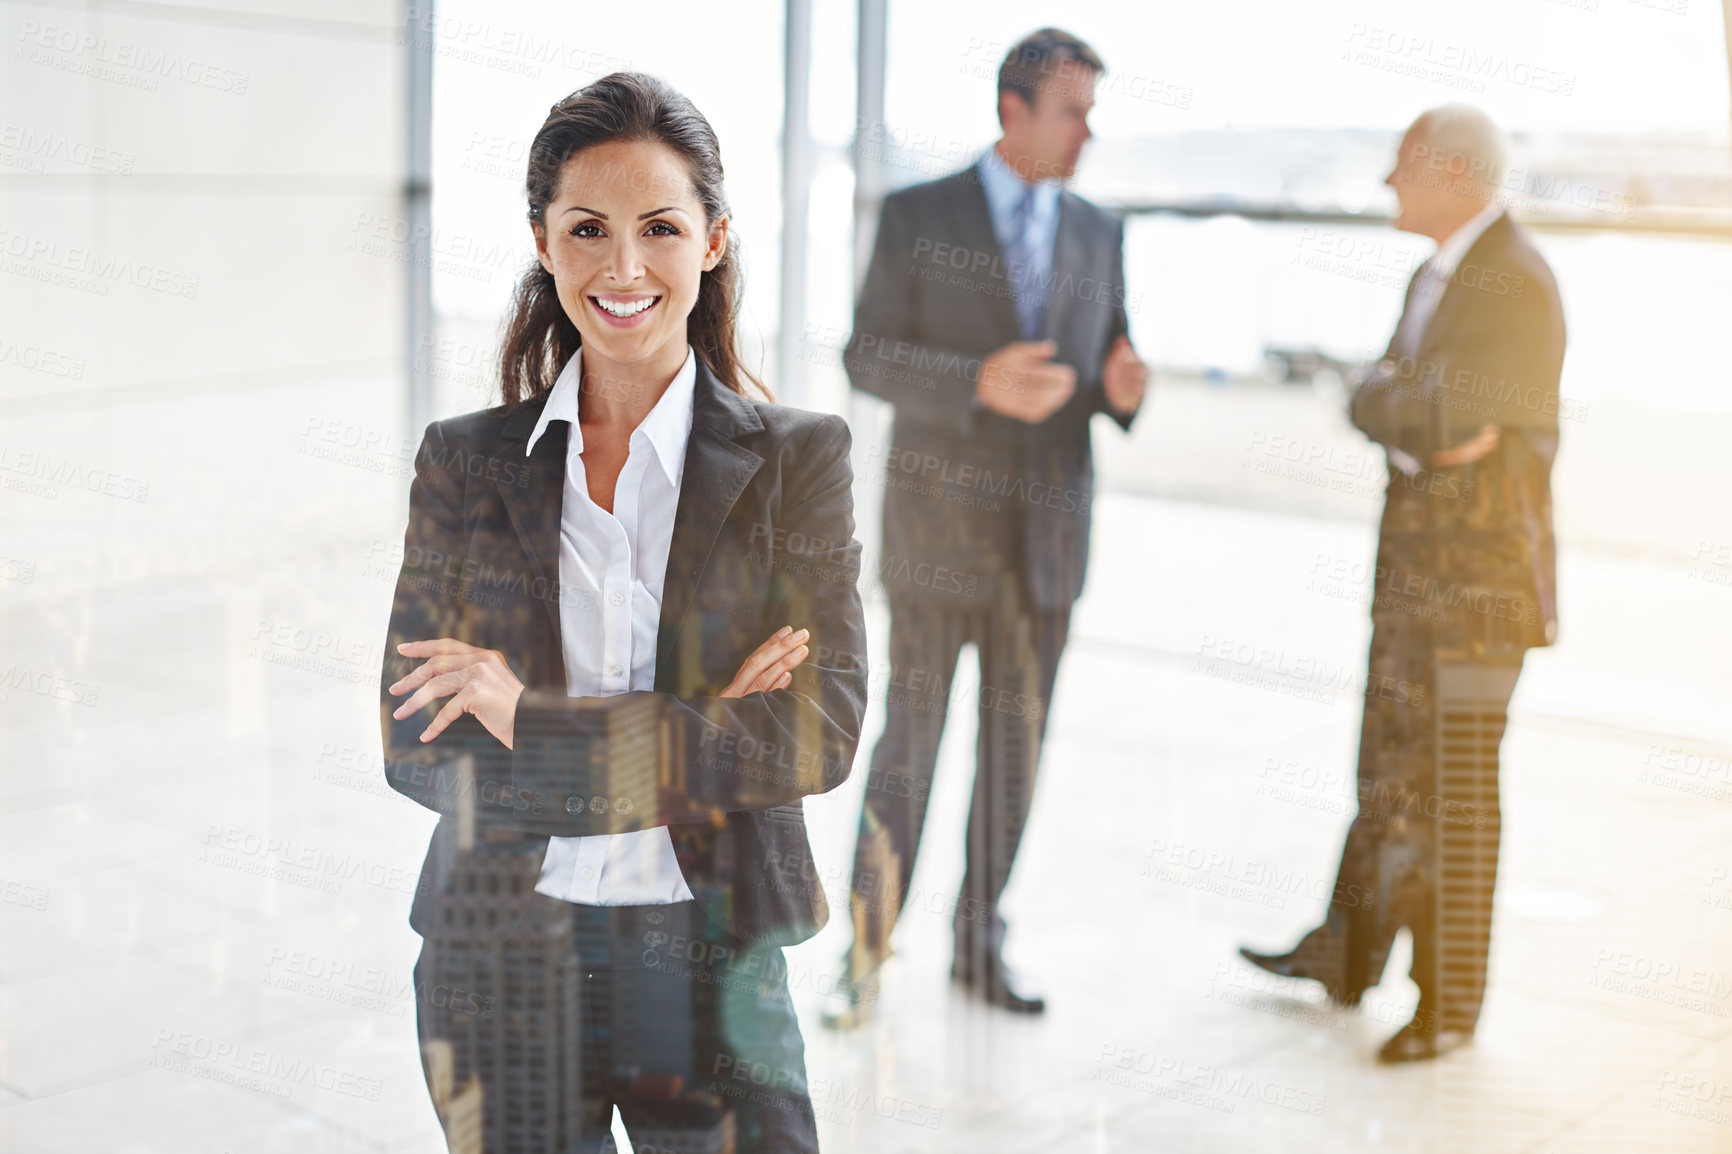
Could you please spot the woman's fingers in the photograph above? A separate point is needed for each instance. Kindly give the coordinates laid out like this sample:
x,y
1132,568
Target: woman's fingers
x,y
428,692
450,662
452,711
778,643
783,667
763,669
433,690
432,668
438,648
767,655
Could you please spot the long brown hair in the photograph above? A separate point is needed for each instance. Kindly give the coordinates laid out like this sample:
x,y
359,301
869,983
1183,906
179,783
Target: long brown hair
x,y
621,106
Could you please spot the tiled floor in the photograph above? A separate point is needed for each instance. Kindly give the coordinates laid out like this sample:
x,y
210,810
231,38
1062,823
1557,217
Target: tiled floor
x,y
141,918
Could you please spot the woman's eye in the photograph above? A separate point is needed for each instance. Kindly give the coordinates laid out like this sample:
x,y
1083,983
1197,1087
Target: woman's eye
x,y
671,230
588,224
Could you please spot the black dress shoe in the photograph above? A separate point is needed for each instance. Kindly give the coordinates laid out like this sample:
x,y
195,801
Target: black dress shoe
x,y
994,985
1420,1039
1290,965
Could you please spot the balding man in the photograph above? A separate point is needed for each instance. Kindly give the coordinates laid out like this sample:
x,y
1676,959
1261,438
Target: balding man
x,y
1465,402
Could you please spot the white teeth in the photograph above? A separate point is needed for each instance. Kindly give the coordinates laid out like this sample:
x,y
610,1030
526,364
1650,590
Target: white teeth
x,y
625,308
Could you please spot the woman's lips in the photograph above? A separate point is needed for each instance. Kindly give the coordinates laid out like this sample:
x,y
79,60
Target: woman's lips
x,y
618,322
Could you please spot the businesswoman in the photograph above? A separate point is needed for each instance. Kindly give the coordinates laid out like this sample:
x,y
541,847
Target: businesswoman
x,y
625,643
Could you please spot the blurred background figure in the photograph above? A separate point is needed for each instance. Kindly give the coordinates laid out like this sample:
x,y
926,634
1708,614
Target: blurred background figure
x,y
1465,404
993,319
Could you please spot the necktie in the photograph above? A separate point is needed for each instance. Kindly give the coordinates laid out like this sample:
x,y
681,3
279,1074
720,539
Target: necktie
x,y
1026,292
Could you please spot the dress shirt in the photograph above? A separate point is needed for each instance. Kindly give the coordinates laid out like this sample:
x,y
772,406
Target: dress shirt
x,y
1004,189
616,562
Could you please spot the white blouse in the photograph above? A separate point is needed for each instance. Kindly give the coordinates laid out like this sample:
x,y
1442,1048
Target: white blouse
x,y
616,563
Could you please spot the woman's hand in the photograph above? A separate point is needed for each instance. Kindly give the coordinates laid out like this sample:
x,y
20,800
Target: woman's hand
x,y
770,666
481,681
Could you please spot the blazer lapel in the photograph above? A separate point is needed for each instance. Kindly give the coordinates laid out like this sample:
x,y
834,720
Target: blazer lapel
x,y
717,470
535,504
1455,294
971,228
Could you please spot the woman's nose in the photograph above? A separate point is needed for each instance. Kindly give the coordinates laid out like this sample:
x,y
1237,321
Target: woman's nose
x,y
625,262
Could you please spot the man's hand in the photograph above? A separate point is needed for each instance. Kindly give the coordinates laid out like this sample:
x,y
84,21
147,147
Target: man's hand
x,y
1018,381
1466,453
1124,378
481,681
771,664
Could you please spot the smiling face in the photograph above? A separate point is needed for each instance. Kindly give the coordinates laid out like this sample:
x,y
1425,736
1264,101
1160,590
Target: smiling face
x,y
627,243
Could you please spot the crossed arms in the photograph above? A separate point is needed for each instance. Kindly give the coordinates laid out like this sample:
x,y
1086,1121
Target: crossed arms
x,y
570,763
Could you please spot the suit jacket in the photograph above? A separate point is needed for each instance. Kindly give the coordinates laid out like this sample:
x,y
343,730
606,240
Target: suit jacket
x,y
763,537
1482,533
982,497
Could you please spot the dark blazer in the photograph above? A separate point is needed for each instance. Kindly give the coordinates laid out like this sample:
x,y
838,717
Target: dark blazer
x,y
763,537
968,490
1492,354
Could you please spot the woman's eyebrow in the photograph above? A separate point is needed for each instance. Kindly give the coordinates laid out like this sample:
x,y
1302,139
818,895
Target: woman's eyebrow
x,y
640,216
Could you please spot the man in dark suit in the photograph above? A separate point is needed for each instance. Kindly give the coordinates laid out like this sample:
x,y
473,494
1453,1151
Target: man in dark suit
x,y
994,319
1465,402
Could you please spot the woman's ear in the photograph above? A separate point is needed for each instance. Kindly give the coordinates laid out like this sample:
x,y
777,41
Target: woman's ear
x,y
540,235
718,244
